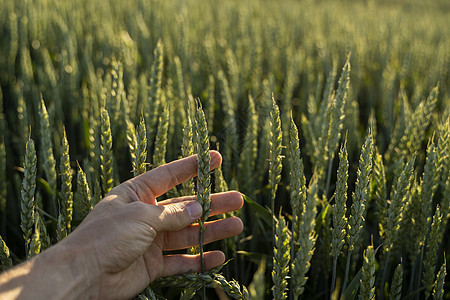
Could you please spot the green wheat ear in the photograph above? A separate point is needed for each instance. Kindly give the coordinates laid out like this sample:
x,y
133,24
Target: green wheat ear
x,y
367,288
28,190
154,96
281,258
360,195
306,239
106,153
83,193
394,213
429,263
47,146
298,184
438,291
66,184
5,259
203,179
275,157
249,152
340,206
396,285
161,139
187,149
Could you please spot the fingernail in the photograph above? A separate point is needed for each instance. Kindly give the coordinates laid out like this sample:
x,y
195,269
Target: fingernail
x,y
194,209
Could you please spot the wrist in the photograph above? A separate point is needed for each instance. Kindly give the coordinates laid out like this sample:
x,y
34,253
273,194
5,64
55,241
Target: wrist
x,y
60,272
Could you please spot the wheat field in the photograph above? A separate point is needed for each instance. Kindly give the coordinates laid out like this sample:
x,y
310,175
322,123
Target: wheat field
x,y
332,118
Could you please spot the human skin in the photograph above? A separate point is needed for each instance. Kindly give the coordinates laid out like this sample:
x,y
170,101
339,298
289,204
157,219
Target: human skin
x,y
119,247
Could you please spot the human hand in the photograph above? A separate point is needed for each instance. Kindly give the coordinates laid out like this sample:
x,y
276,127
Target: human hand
x,y
119,247
127,232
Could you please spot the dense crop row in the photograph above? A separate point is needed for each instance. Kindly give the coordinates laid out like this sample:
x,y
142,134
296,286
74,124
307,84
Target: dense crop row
x,y
332,118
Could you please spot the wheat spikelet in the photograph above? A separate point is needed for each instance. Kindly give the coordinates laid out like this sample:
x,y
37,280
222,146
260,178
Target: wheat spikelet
x,y
161,139
49,164
399,127
5,259
429,184
66,184
256,288
367,289
438,291
281,258
35,243
22,118
106,153
340,206
298,184
429,263
306,239
154,97
358,209
394,213
249,152
141,147
396,285
28,190
203,179
338,115
132,145
378,191
83,193
209,278
61,228
43,235
210,102
275,157
187,149
415,131
229,109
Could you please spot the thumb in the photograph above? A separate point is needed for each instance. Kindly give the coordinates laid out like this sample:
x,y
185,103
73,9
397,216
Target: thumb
x,y
173,217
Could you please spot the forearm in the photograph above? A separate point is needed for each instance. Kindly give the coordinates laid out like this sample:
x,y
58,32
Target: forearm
x,y
57,273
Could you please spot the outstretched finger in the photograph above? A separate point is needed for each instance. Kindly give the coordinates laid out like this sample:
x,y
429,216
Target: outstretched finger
x,y
220,203
158,181
214,231
183,263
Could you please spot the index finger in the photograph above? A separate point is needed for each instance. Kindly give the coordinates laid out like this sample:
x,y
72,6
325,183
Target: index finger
x,y
158,181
